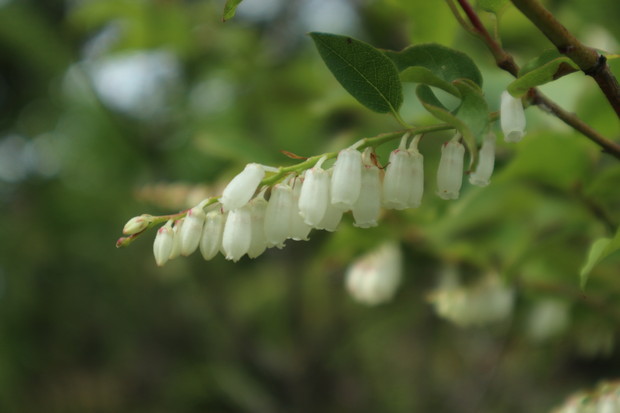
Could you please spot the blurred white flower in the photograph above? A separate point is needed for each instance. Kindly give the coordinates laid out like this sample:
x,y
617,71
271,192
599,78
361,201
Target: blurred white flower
x,y
373,278
487,301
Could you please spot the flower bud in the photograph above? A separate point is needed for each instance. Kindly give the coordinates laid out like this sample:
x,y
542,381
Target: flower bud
x,y
191,232
299,229
397,185
237,233
137,224
368,205
333,215
512,117
258,243
417,180
482,175
314,196
242,187
163,244
211,240
373,278
346,179
279,215
450,172
176,234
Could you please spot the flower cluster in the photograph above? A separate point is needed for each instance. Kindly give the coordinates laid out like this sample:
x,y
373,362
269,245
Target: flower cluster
x,y
604,399
487,301
249,218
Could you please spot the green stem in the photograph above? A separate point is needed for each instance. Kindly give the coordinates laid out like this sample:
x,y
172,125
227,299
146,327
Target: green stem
x,y
589,60
400,120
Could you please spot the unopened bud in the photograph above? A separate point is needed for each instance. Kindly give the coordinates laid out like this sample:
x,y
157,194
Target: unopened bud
x,y
137,224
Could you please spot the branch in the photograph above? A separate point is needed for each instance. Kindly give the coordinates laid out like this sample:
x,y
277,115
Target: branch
x,y
505,61
573,120
589,60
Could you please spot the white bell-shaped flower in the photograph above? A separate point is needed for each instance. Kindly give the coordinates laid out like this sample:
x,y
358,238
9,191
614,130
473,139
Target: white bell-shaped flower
x,y
397,183
191,232
314,196
237,233
176,244
486,161
373,278
333,215
512,117
242,187
258,243
367,208
299,228
211,240
450,171
279,215
417,179
346,179
162,246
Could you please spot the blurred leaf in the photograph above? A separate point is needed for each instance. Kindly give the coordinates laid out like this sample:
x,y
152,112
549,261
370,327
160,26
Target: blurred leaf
x,y
553,160
366,73
445,63
230,8
492,6
430,22
28,38
600,249
549,66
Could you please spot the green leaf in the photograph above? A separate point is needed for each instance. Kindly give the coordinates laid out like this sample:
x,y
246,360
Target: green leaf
x,y
492,6
600,249
549,66
419,74
230,8
366,73
470,118
445,63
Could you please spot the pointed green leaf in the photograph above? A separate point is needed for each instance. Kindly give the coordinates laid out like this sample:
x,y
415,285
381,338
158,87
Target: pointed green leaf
x,y
549,66
600,249
366,73
470,118
473,109
230,8
419,74
445,63
438,110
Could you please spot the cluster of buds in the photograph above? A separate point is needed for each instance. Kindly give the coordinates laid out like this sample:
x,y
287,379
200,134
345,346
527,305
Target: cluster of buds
x,y
247,219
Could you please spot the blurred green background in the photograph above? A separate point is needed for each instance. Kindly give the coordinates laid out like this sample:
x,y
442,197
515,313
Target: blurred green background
x,y
112,108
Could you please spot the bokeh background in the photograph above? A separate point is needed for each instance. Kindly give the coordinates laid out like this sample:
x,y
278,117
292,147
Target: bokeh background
x,y
112,108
